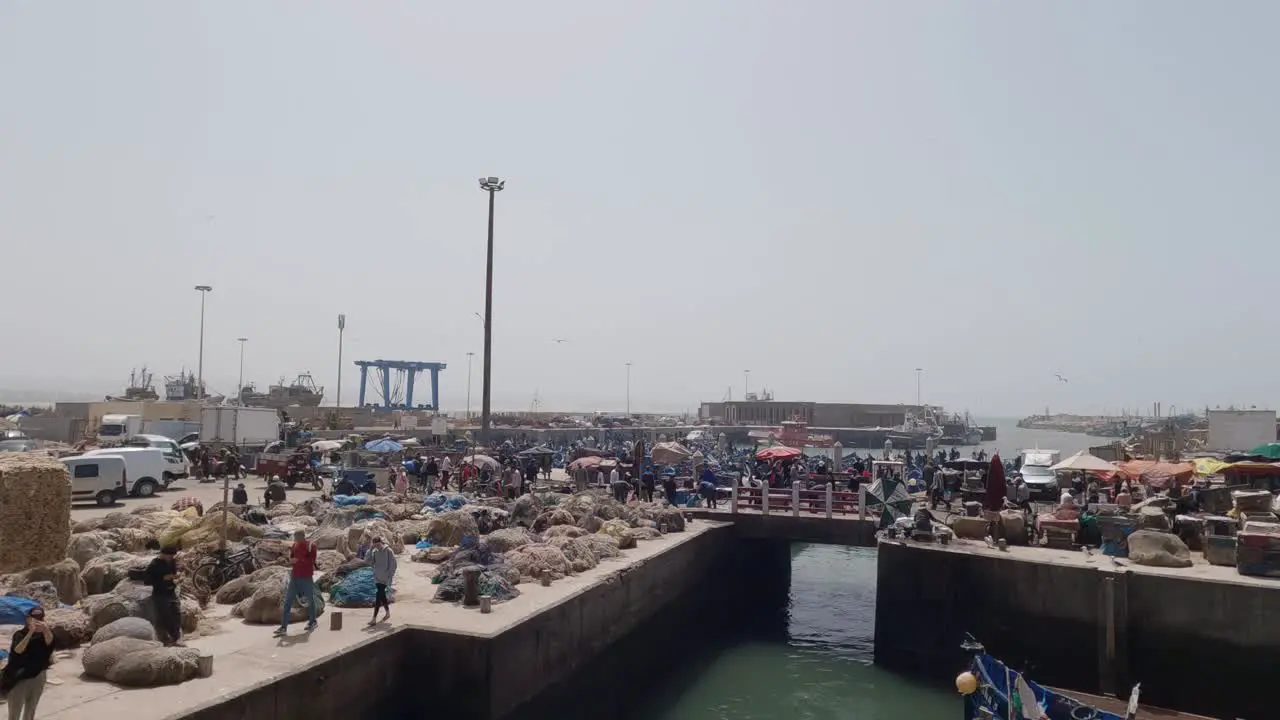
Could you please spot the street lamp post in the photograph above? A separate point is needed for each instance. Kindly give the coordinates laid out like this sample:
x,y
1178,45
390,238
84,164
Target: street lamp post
x,y
240,382
493,186
204,290
919,372
746,383
342,325
469,356
628,389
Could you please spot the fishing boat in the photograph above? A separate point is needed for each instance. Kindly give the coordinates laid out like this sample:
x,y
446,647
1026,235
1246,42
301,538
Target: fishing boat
x,y
994,691
140,387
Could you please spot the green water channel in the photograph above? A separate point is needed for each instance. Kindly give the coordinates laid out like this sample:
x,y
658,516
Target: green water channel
x,y
812,661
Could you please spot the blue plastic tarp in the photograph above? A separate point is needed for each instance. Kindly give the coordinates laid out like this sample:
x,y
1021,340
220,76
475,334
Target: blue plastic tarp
x,y
13,610
349,500
384,445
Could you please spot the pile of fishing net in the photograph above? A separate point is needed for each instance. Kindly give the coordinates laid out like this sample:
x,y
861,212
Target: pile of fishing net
x,y
494,581
534,560
349,500
103,573
357,590
64,576
441,501
577,552
208,530
525,510
450,527
488,518
497,578
132,662
35,511
361,535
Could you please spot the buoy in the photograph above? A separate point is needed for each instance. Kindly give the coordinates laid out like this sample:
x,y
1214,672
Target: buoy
x,y
967,683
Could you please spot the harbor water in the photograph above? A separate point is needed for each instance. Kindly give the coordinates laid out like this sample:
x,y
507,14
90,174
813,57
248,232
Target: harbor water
x,y
813,664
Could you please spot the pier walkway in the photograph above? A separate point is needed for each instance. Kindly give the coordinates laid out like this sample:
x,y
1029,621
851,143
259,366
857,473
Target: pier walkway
x,y
820,516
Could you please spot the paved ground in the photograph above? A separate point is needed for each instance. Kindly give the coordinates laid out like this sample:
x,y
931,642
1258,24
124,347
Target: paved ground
x,y
208,493
247,654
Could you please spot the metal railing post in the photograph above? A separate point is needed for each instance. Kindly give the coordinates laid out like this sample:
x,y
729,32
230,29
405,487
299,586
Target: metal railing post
x,y
764,498
862,502
795,500
829,495
733,499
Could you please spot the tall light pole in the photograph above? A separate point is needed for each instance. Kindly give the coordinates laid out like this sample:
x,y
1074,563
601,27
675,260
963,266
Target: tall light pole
x,y
919,372
469,356
342,325
240,382
746,383
628,389
204,290
493,186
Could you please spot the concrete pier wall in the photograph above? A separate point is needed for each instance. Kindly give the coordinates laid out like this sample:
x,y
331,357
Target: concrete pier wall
x,y
415,671
1194,644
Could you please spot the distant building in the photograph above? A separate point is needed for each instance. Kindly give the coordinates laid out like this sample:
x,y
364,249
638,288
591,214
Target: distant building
x,y
1241,430
815,414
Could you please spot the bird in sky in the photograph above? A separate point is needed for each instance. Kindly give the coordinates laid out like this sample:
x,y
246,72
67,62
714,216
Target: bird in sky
x,y
559,340
1060,378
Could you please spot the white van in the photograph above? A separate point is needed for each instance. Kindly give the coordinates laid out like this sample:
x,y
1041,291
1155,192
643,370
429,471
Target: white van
x,y
1035,472
146,467
102,479
178,465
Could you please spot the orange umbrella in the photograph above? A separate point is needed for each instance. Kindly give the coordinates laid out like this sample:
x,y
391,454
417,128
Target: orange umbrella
x,y
778,452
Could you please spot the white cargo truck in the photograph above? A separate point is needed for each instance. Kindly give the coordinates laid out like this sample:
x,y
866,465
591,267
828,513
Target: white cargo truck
x,y
113,429
234,425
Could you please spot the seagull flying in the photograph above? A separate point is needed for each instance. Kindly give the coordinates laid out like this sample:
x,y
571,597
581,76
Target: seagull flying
x,y
559,340
1060,378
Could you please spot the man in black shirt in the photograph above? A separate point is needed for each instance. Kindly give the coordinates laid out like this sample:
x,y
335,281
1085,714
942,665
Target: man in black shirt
x,y
160,576
22,682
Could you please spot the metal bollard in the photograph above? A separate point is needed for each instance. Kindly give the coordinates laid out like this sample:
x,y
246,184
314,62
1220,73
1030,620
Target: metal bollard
x,y
486,604
545,579
335,620
471,586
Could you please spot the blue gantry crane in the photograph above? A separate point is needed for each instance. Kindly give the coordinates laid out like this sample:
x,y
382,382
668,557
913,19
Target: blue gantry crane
x,y
394,381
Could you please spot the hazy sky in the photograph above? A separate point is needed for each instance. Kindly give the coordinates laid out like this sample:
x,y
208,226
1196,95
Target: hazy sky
x,y
828,192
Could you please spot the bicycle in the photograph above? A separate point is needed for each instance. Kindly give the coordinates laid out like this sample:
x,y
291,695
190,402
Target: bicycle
x,y
211,575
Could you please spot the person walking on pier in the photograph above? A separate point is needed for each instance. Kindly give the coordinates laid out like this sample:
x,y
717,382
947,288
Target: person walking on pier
x,y
446,467
302,557
161,575
383,561
647,482
707,487
430,472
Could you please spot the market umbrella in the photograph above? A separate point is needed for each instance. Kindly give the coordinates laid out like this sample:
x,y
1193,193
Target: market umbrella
x,y
326,445
586,463
1270,451
996,488
384,446
1084,462
778,452
667,453
481,460
537,451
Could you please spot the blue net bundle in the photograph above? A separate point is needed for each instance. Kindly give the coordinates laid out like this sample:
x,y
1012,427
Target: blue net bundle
x,y
13,610
497,579
349,500
357,590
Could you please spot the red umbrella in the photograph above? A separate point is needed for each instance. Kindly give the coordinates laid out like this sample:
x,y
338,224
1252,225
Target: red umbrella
x,y
778,452
996,488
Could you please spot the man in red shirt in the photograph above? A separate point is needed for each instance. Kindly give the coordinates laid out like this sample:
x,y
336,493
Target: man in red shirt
x,y
303,559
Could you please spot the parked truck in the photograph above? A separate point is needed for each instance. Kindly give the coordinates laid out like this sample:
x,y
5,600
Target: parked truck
x,y
233,425
174,429
114,429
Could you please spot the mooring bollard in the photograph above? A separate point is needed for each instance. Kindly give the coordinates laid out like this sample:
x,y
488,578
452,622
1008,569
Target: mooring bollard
x,y
335,621
486,604
204,666
545,578
471,586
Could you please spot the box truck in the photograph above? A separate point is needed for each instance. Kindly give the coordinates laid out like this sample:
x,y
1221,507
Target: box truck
x,y
234,425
